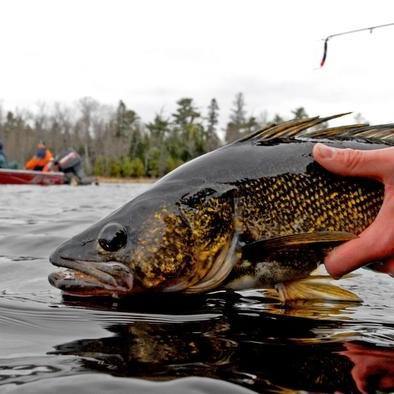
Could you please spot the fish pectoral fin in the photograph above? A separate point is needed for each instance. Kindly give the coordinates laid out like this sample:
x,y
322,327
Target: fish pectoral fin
x,y
254,251
314,288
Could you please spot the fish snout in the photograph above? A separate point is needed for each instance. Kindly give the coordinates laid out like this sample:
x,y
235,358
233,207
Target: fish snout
x,y
74,249
89,278
88,271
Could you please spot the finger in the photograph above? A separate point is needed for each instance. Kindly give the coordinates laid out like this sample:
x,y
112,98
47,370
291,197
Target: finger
x,y
375,243
387,267
377,164
349,256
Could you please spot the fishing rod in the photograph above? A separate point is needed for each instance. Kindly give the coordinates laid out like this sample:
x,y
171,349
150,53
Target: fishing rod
x,y
371,29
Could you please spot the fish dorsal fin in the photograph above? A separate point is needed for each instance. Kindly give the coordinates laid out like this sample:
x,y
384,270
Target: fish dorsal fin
x,y
378,133
291,128
304,128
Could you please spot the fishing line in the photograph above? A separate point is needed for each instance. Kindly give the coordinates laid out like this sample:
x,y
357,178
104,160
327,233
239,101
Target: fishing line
x,y
325,48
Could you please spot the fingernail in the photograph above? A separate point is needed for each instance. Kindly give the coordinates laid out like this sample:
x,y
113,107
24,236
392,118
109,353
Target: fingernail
x,y
324,151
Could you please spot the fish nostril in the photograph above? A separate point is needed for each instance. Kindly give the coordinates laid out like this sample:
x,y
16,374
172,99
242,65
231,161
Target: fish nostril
x,y
112,237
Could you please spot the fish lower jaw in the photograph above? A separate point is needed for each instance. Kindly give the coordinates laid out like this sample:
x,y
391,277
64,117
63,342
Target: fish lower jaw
x,y
76,283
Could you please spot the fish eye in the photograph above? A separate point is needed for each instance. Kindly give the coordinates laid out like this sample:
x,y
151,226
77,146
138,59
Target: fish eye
x,y
112,237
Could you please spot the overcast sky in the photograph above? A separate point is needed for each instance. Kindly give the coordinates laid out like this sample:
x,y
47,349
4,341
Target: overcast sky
x,y
150,53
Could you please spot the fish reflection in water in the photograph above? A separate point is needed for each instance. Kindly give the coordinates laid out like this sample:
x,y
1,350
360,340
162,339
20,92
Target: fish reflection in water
x,y
250,349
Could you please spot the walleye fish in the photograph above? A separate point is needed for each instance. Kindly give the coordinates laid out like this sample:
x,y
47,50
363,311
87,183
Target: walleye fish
x,y
256,213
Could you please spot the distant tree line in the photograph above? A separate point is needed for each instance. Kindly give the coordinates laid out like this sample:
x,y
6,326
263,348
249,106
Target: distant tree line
x,y
116,142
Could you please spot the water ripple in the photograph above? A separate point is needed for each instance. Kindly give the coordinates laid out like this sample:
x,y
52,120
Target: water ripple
x,y
50,343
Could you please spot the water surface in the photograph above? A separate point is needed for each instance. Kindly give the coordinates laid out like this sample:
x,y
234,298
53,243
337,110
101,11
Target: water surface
x,y
217,343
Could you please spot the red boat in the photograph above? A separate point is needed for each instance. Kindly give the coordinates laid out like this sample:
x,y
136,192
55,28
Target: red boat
x,y
26,177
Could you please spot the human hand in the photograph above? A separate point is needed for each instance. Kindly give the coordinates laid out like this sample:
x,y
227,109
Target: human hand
x,y
372,366
376,243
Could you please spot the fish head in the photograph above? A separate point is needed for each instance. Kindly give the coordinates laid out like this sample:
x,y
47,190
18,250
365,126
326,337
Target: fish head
x,y
164,240
144,246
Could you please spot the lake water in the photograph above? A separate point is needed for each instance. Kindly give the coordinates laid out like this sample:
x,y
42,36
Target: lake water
x,y
216,343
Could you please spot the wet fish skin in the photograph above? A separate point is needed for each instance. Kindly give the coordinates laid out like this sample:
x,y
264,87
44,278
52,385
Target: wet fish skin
x,y
186,232
313,201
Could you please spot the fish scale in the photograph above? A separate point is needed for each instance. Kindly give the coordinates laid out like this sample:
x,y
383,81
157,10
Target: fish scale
x,y
307,203
315,202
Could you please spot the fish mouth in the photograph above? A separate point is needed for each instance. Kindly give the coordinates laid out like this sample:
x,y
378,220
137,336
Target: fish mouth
x,y
91,279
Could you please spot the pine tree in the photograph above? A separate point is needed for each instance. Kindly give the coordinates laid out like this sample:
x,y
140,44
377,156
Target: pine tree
x,y
237,121
213,140
126,132
125,120
277,119
299,113
186,113
251,125
188,133
158,133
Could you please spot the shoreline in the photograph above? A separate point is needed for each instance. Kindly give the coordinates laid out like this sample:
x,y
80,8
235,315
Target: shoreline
x,y
108,179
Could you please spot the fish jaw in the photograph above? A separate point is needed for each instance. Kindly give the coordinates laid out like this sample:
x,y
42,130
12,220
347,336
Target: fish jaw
x,y
92,279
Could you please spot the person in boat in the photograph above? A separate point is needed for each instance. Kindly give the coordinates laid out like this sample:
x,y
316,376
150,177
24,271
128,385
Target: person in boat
x,y
41,158
4,162
3,157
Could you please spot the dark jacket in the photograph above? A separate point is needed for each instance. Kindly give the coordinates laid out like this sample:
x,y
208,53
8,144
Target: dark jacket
x,y
3,159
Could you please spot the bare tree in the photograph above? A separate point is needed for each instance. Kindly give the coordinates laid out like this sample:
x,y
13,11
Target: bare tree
x,y
87,106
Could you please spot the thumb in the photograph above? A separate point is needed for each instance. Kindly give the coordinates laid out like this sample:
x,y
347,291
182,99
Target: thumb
x,y
376,164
